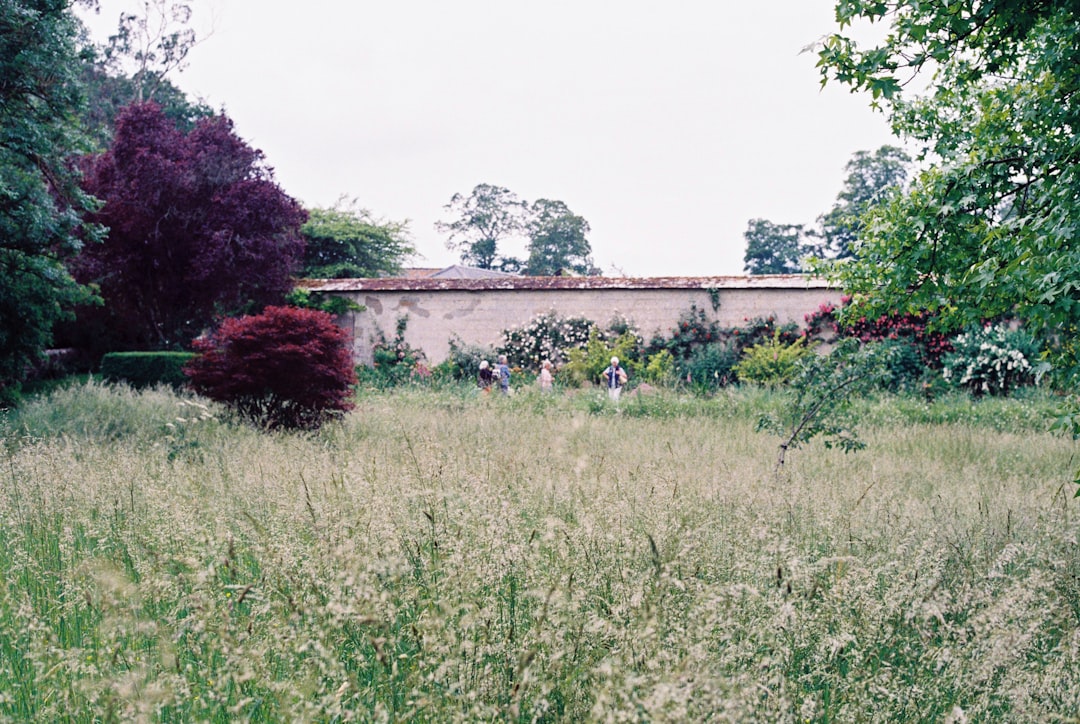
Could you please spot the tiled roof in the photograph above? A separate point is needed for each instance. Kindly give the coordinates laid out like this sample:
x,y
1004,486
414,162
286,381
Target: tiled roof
x,y
469,272
512,282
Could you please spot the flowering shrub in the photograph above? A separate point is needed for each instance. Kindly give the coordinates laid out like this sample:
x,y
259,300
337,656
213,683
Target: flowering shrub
x,y
991,360
933,345
692,331
825,324
761,330
283,368
546,337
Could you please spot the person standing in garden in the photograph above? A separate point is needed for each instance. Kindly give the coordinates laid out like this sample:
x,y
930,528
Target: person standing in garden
x,y
545,378
504,375
486,377
614,379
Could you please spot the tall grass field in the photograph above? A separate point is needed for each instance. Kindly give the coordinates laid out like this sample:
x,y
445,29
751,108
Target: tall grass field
x,y
445,556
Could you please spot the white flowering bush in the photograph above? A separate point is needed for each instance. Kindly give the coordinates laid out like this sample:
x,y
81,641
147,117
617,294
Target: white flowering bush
x,y
547,336
991,360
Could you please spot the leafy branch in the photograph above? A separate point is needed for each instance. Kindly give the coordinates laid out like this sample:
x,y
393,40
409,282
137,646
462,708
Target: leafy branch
x,y
823,391
1068,423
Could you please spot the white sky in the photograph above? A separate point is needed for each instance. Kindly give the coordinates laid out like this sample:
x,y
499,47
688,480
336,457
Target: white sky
x,y
668,126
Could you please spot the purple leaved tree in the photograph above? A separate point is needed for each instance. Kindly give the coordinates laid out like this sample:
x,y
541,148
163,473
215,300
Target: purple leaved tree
x,y
197,229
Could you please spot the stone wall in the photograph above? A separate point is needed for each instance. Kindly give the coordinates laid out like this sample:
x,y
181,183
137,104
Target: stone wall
x,y
478,310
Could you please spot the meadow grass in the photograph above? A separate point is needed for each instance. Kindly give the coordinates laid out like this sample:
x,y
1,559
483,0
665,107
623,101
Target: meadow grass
x,y
451,556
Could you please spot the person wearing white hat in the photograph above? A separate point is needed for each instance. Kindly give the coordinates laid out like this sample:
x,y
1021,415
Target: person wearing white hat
x,y
486,377
614,379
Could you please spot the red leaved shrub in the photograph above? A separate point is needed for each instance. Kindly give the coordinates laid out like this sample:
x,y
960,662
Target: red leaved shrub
x,y
284,368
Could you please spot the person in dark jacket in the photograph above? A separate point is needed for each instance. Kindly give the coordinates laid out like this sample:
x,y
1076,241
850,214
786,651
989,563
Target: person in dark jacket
x,y
614,379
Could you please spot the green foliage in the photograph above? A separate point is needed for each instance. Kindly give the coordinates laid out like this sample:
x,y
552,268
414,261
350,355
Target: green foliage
x,y
334,304
704,353
659,368
772,363
992,360
346,241
774,248
586,364
555,236
1067,421
712,365
487,216
464,360
394,362
146,369
822,390
989,226
761,329
905,368
97,413
557,240
40,201
872,178
108,91
791,248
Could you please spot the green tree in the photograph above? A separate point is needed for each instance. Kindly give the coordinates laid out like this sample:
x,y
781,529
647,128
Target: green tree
x,y
108,93
133,65
557,240
871,177
347,241
40,200
148,46
774,248
487,216
990,225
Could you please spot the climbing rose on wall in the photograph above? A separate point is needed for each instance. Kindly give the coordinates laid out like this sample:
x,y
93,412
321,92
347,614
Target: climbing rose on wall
x,y
285,368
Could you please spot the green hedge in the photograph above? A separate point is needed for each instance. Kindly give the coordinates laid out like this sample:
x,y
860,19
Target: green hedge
x,y
146,369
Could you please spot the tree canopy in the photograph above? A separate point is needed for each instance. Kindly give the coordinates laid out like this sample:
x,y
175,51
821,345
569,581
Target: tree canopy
x,y
132,67
490,215
107,93
487,216
989,226
871,178
40,200
198,229
346,241
148,46
557,240
774,248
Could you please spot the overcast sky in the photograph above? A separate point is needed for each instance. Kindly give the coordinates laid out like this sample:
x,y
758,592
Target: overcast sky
x,y
667,126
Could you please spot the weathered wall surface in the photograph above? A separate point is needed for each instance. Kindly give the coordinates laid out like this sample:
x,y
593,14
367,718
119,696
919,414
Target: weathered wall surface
x,y
477,311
